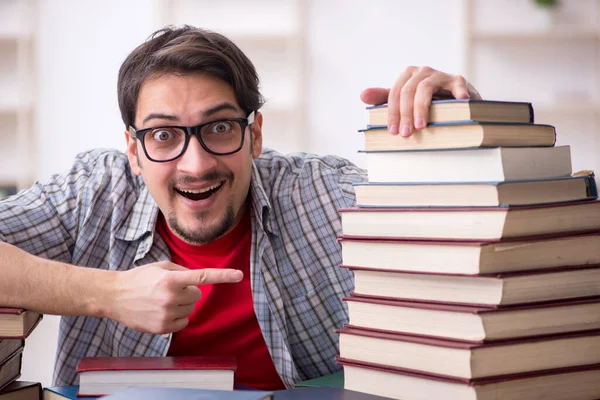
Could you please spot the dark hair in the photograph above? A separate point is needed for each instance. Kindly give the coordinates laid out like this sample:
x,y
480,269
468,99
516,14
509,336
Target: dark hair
x,y
184,50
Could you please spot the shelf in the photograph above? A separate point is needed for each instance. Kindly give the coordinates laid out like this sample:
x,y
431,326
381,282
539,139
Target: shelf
x,y
552,34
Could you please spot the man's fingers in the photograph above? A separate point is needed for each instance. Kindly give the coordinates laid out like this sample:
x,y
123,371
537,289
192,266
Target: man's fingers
x,y
394,107
206,276
172,266
459,87
375,96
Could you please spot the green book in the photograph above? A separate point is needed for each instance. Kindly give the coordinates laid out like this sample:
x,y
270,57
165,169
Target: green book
x,y
334,380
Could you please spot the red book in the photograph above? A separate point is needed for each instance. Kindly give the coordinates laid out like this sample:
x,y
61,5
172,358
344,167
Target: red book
x,y
523,287
21,390
104,375
577,383
472,223
472,257
473,323
17,323
465,360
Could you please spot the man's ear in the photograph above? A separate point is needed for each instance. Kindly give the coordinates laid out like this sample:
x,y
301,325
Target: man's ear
x,y
132,153
256,135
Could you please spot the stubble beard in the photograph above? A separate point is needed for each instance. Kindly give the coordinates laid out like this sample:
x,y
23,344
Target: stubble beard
x,y
205,234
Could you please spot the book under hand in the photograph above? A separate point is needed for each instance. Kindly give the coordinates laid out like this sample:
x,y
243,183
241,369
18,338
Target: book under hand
x,y
471,223
473,323
485,164
577,383
492,290
476,194
460,135
465,110
469,360
471,257
21,390
17,323
105,375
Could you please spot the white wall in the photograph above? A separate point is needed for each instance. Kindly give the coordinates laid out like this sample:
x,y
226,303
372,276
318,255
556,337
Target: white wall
x,y
352,44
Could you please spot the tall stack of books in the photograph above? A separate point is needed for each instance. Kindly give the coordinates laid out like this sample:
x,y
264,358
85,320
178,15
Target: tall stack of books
x,y
475,252
15,325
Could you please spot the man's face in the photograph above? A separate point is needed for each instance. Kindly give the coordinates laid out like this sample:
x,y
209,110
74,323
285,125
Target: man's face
x,y
202,195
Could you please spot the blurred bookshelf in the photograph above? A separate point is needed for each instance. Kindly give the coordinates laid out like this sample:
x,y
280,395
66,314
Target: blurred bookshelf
x,y
17,85
271,34
550,56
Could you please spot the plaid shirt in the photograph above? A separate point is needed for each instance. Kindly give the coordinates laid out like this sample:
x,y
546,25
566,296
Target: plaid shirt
x,y
100,215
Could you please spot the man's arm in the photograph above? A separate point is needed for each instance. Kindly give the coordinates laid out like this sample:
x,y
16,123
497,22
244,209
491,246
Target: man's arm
x,y
154,298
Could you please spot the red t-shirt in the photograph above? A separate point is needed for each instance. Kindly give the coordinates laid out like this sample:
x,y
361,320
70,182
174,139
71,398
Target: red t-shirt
x,y
223,321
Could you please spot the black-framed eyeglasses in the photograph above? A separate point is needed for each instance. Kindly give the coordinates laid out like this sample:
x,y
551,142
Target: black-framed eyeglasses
x,y
220,137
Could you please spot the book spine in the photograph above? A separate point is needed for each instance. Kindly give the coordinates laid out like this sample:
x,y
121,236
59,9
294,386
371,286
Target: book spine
x,y
531,117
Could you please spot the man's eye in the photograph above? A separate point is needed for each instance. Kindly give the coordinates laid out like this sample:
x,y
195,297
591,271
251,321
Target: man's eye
x,y
221,127
162,135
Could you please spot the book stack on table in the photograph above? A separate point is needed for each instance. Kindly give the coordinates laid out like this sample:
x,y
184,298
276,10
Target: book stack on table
x,y
15,326
475,254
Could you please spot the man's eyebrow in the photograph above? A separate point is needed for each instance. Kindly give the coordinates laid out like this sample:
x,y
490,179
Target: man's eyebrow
x,y
211,111
221,107
159,116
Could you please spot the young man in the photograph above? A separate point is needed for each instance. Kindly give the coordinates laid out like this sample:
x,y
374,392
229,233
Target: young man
x,y
196,241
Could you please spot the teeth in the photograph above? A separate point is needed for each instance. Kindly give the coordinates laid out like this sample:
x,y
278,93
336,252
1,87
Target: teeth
x,y
200,190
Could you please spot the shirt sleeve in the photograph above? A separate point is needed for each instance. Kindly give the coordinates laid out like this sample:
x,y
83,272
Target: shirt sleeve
x,y
43,219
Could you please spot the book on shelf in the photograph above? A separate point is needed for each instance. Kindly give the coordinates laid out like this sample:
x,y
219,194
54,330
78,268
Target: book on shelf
x,y
17,322
10,369
471,223
465,110
474,194
173,393
21,390
469,360
471,257
576,383
522,287
105,375
473,323
485,164
460,135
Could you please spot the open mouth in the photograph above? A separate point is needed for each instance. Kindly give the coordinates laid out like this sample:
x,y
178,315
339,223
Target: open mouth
x,y
200,194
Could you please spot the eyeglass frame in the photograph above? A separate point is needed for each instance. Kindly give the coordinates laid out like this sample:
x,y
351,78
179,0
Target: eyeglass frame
x,y
194,131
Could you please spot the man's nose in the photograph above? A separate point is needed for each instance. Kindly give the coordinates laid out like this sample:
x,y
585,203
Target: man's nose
x,y
196,160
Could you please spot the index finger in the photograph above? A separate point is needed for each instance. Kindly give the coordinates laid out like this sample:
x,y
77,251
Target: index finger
x,y
206,276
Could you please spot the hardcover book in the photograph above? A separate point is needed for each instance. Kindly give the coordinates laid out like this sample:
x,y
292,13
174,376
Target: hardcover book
x,y
460,135
473,256
17,323
476,194
473,323
578,383
491,290
105,375
21,390
471,223
469,360
465,110
469,165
